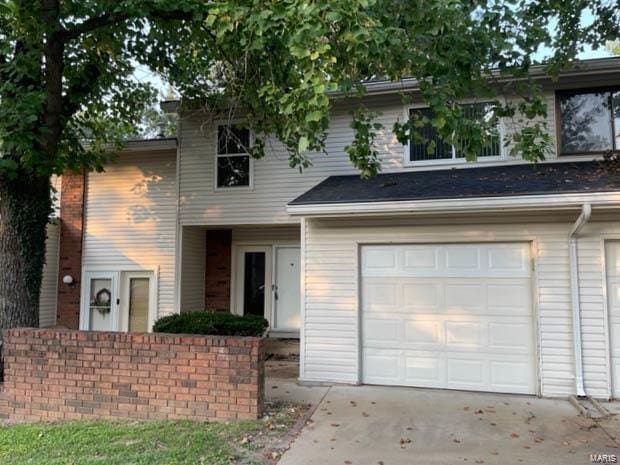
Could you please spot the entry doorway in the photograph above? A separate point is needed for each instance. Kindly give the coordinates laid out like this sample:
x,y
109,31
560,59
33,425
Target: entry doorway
x,y
118,301
266,283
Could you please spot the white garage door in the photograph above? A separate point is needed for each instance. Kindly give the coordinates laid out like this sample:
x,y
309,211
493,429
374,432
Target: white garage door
x,y
612,264
448,315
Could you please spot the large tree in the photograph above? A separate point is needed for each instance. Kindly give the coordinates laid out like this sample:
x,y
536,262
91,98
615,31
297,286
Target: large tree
x,y
67,96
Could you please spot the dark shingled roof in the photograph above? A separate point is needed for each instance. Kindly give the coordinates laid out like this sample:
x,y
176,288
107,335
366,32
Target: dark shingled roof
x,y
495,181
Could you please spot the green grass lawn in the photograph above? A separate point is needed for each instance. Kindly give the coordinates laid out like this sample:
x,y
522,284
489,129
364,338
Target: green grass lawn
x,y
144,443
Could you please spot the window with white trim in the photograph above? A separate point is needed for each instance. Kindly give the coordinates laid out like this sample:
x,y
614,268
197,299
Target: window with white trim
x,y
441,150
233,168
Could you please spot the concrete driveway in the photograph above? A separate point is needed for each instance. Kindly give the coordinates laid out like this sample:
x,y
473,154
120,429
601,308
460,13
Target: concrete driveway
x,y
369,425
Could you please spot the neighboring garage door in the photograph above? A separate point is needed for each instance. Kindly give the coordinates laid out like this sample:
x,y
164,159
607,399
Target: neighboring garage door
x,y
612,264
456,316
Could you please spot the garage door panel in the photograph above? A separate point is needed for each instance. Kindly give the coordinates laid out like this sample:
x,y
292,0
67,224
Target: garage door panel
x,y
382,297
422,296
466,297
510,335
383,366
465,372
418,258
513,296
463,333
423,332
508,258
382,332
424,371
459,316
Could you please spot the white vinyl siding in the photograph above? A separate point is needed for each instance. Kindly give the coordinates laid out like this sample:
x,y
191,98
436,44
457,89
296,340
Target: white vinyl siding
x,y
130,219
274,182
331,332
193,261
49,287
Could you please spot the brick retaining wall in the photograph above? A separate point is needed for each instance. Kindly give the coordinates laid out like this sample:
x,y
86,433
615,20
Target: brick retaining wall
x,y
73,375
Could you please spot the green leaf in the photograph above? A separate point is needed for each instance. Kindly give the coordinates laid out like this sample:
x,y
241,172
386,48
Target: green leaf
x,y
303,144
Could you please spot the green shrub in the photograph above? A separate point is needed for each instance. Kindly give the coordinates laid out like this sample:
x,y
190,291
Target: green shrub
x,y
215,324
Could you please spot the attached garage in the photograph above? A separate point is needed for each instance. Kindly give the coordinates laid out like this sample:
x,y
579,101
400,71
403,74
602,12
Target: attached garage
x,y
456,316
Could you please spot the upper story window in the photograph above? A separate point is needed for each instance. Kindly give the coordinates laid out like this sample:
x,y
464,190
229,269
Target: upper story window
x,y
589,121
419,152
233,163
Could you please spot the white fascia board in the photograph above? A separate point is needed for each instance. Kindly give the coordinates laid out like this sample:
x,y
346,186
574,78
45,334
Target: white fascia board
x,y
482,204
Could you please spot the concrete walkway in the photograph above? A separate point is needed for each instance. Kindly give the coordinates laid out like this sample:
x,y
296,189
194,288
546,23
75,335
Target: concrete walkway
x,y
370,425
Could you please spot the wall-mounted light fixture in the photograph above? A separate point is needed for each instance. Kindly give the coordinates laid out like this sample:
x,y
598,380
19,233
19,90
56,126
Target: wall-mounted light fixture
x,y
67,279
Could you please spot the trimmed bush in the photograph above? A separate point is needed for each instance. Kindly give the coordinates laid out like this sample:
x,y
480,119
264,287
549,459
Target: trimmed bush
x,y
214,324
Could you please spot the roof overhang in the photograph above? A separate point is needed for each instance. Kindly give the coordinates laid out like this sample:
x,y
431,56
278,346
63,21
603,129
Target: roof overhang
x,y
523,203
149,145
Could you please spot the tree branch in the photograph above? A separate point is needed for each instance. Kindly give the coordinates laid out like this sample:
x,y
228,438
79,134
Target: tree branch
x,y
108,20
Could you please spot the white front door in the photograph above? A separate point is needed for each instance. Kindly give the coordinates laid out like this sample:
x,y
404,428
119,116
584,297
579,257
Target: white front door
x,y
286,289
455,316
137,301
612,264
100,309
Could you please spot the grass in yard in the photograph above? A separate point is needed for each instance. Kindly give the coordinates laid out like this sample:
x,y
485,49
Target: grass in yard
x,y
147,443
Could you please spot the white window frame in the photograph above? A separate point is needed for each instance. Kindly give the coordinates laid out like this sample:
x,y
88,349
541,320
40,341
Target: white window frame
x,y
218,155
453,161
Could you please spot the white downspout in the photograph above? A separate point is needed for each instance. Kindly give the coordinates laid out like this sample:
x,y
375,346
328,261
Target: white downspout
x,y
586,212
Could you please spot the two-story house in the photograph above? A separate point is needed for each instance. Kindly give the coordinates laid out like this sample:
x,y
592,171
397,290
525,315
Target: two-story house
x,y
497,275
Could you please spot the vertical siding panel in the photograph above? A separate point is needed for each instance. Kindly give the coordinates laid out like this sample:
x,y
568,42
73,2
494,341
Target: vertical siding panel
x,y
49,286
193,269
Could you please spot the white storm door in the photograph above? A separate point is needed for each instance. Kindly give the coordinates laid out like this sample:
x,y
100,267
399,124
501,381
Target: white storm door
x,y
286,290
99,302
137,301
456,316
253,281
612,265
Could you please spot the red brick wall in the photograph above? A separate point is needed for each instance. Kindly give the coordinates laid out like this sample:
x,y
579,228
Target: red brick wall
x,y
70,251
218,269
64,374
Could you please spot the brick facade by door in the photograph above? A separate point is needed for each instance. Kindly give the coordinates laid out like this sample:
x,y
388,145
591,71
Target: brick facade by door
x,y
218,269
70,248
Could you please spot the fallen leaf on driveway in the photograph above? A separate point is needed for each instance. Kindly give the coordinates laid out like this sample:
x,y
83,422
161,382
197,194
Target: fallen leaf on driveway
x,y
479,461
405,441
365,414
458,441
538,440
380,462
514,435
494,453
335,424
348,462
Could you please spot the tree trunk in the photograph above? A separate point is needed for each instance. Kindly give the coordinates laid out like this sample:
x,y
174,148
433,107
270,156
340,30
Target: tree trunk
x,y
25,207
